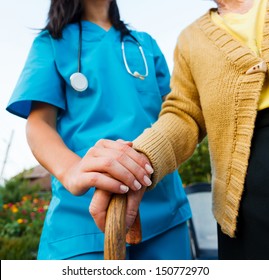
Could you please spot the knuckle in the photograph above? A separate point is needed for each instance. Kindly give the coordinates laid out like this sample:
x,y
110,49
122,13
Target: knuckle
x,y
121,156
93,209
124,148
129,177
108,162
143,159
140,173
93,178
91,151
101,142
131,214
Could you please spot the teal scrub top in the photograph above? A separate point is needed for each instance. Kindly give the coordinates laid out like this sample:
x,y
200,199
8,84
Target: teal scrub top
x,y
115,106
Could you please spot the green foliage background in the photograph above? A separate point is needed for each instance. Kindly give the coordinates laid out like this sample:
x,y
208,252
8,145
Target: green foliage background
x,y
22,212
197,168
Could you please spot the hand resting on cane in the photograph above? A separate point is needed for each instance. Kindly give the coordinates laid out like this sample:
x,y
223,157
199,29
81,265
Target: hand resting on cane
x,y
78,174
101,199
100,202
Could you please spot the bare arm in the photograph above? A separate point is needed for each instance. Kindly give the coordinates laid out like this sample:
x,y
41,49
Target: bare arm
x,y
77,174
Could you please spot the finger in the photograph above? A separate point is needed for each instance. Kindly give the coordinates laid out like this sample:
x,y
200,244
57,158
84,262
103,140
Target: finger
x,y
98,207
139,158
114,168
133,202
102,182
132,170
134,234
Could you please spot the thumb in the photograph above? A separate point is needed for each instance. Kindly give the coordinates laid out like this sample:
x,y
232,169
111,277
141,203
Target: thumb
x,y
98,207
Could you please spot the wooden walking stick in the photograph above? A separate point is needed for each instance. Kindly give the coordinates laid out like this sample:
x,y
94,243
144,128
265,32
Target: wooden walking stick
x,y
115,230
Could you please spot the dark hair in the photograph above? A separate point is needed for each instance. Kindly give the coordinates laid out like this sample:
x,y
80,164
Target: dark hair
x,y
63,12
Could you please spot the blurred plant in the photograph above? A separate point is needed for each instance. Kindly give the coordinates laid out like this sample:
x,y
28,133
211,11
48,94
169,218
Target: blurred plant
x,y
19,248
22,216
197,168
15,188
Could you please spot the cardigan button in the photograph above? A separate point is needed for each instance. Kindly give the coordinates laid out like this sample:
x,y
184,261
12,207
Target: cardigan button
x,y
260,67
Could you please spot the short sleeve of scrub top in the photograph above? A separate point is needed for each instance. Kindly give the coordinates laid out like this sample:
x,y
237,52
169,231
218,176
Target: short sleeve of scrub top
x,y
39,80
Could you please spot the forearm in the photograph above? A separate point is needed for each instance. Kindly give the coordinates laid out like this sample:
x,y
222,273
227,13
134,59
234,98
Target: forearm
x,y
167,144
109,165
173,138
49,149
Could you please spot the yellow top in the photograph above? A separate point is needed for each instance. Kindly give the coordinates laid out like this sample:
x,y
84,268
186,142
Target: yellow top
x,y
215,89
247,28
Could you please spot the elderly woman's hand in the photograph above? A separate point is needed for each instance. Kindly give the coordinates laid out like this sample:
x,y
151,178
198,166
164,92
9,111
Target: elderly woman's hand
x,y
100,202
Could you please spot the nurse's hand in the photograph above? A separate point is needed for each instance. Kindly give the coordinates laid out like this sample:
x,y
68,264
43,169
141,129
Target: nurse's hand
x,y
113,166
100,202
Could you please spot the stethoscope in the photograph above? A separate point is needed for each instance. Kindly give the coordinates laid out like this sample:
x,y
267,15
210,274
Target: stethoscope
x,y
79,81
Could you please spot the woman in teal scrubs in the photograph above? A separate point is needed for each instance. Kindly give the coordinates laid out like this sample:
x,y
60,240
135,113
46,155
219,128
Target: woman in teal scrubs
x,y
65,120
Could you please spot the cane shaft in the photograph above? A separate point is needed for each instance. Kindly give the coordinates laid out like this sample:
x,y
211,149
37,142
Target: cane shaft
x,y
115,230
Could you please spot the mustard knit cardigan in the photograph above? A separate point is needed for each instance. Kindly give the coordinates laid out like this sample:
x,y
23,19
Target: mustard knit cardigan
x,y
215,88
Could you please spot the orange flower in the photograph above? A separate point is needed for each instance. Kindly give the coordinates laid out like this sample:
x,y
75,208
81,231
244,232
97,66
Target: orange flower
x,y
35,200
14,209
20,221
26,197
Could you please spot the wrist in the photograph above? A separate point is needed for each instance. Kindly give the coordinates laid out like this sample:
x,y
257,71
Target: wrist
x,y
66,174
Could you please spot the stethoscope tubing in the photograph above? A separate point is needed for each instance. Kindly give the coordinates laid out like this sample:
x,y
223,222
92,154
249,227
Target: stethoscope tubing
x,y
79,81
79,47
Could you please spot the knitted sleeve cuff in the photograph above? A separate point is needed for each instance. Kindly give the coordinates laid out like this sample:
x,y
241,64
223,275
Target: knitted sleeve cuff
x,y
159,151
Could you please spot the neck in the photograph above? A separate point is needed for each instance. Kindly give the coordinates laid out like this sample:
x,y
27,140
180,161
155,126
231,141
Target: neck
x,y
97,12
234,6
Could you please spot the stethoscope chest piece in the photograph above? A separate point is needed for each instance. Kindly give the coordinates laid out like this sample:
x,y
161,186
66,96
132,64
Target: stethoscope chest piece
x,y
79,82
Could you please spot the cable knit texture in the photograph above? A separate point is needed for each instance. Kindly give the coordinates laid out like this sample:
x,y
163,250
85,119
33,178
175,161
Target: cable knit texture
x,y
210,94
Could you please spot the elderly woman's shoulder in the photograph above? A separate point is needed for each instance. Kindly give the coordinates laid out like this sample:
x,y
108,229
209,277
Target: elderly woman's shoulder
x,y
195,27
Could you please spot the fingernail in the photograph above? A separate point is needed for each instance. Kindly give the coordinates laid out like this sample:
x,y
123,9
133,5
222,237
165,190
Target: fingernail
x,y
124,188
147,181
137,185
149,169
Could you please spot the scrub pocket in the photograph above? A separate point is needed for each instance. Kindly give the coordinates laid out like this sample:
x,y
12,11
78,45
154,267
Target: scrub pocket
x,y
136,63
